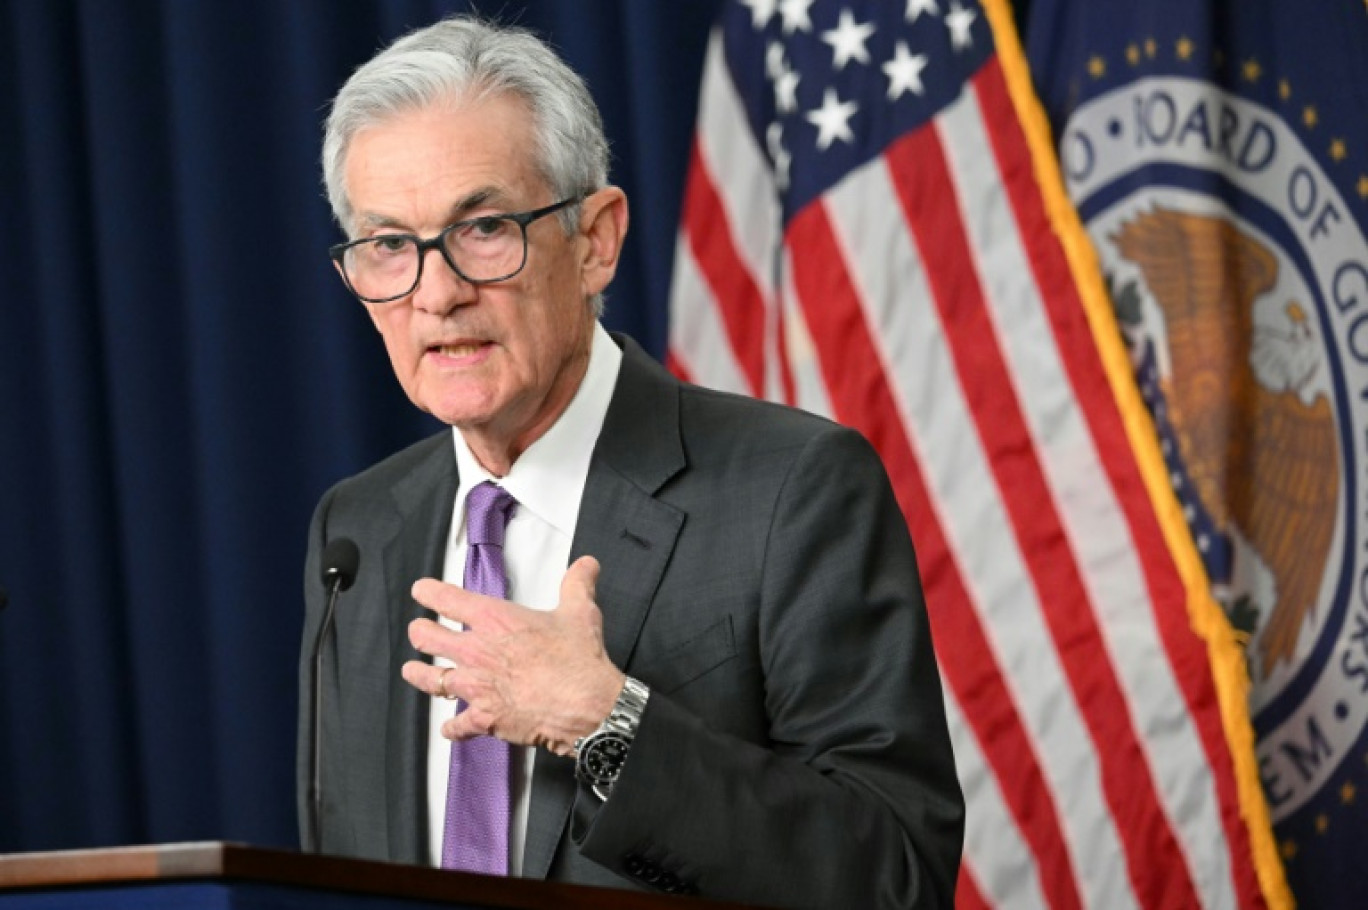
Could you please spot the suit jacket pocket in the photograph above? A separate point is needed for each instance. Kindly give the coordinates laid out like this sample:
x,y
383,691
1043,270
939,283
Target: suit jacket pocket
x,y
689,660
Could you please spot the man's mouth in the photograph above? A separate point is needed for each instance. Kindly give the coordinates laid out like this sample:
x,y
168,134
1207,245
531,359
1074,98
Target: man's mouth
x,y
461,349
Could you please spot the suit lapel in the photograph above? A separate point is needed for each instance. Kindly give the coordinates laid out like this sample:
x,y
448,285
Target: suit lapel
x,y
632,535
424,501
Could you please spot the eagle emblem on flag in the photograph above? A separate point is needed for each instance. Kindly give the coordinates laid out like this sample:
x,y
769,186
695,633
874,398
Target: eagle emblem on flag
x,y
1257,439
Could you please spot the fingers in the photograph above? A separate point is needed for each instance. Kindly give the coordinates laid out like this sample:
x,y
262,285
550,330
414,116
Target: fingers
x,y
468,724
580,582
578,586
429,679
448,683
563,749
455,603
436,640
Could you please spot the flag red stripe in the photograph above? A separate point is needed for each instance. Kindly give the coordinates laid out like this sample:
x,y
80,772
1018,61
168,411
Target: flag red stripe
x,y
739,301
967,893
861,398
1154,861
675,364
1090,386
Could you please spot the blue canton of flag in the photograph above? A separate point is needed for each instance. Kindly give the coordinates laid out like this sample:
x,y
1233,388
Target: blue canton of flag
x,y
828,86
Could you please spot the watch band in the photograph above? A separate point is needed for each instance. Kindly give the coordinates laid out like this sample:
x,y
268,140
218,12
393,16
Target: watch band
x,y
599,757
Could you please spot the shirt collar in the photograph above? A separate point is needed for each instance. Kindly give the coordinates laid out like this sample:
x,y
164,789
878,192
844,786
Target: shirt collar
x,y
548,478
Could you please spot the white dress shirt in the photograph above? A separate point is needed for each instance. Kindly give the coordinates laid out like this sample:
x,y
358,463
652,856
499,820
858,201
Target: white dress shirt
x,y
547,480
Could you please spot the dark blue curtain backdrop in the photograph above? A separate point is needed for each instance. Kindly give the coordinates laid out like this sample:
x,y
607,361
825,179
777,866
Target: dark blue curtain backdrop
x,y
181,376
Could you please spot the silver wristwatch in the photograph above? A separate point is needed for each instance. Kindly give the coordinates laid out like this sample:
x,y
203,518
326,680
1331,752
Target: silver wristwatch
x,y
599,757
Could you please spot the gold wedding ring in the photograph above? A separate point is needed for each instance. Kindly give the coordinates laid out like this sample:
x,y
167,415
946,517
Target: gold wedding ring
x,y
441,684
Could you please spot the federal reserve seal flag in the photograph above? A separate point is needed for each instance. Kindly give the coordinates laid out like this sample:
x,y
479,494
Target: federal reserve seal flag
x,y
1217,154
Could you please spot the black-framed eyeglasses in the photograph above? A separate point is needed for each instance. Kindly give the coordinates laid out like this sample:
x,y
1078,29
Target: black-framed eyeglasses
x,y
481,250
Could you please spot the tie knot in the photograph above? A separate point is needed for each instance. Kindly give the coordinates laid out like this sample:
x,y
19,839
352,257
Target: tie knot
x,y
488,508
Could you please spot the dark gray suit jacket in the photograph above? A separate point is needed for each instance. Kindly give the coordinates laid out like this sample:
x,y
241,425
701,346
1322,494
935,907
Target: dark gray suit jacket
x,y
758,576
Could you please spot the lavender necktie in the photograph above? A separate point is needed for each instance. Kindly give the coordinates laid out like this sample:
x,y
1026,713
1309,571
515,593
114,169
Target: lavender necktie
x,y
475,838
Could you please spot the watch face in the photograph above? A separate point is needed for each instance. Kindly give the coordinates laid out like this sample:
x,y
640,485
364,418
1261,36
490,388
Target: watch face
x,y
602,757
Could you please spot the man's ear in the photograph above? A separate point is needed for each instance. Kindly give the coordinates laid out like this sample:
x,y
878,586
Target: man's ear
x,y
603,226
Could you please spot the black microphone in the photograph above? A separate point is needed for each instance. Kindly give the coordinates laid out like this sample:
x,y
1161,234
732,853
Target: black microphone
x,y
340,561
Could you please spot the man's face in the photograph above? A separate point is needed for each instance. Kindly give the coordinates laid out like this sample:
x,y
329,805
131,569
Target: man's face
x,y
500,361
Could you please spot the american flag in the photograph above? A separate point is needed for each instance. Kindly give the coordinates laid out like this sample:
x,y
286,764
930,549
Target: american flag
x,y
874,229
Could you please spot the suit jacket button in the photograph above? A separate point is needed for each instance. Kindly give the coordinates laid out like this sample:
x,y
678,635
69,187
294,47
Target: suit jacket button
x,y
669,883
634,865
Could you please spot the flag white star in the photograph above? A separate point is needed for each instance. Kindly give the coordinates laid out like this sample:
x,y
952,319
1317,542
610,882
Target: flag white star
x,y
848,39
795,15
786,91
832,119
785,79
904,72
774,60
761,11
774,138
959,20
916,7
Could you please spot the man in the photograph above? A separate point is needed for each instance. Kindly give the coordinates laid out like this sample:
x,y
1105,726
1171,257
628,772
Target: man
x,y
731,691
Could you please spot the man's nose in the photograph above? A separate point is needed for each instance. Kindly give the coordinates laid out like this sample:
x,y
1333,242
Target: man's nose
x,y
440,289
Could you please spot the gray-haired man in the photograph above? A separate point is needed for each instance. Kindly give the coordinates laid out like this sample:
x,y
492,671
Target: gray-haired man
x,y
731,690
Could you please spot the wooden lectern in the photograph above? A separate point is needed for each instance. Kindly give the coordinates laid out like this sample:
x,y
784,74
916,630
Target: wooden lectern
x,y
218,876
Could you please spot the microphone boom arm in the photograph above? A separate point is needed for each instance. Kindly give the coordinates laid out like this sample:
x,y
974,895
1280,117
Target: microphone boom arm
x,y
340,561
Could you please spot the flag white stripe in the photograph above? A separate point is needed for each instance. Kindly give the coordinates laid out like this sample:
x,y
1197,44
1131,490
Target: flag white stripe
x,y
809,388
740,171
1096,527
1002,864
697,335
